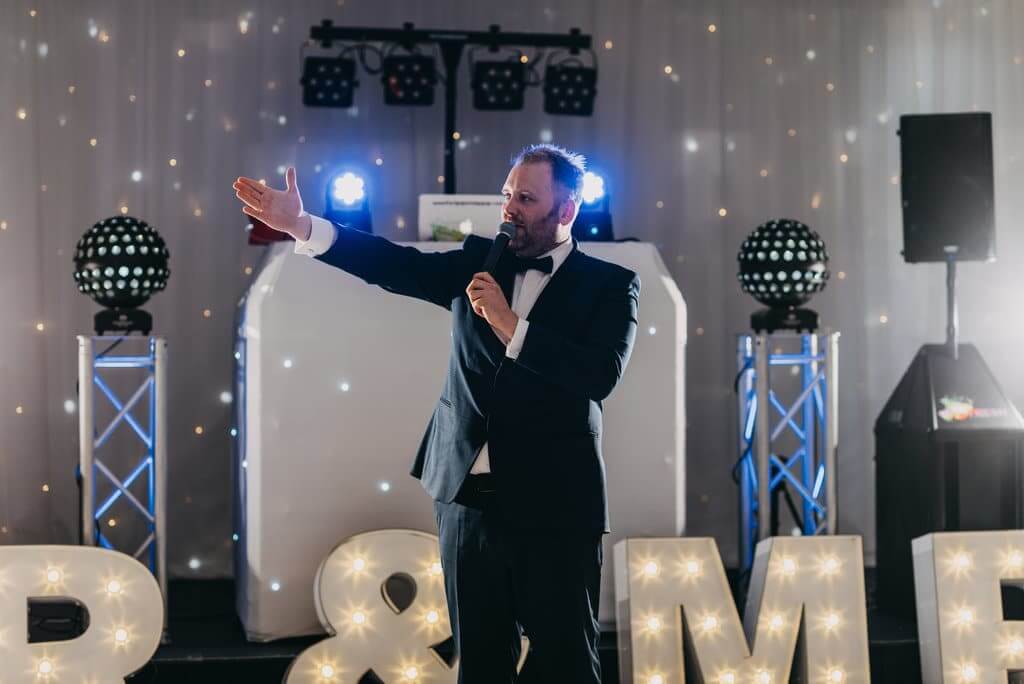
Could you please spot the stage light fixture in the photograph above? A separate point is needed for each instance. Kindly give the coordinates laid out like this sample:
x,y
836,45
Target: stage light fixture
x,y
569,89
120,262
593,187
348,188
328,81
348,201
409,80
594,221
499,85
411,62
782,264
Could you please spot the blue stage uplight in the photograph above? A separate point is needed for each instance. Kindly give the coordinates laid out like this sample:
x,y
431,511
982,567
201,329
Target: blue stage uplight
x,y
348,188
348,200
594,222
593,187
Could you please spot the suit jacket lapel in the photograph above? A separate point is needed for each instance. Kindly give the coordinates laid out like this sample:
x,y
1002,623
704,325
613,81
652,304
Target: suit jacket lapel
x,y
557,293
506,276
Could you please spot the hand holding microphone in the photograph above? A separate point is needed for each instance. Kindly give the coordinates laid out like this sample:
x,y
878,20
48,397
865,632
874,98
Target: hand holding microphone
x,y
506,231
485,294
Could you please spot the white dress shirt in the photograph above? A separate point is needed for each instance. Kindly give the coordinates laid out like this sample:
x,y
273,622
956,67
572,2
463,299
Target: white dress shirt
x,y
527,288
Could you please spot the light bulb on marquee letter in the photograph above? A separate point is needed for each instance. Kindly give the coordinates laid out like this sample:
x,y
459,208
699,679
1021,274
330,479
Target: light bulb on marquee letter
x,y
1013,563
828,566
650,569
708,624
54,576
727,678
830,621
691,569
776,622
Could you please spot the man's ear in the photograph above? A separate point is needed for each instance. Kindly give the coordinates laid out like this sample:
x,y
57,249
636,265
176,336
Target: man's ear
x,y
567,212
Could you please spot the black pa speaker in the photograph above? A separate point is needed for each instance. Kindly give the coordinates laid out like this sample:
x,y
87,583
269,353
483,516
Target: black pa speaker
x,y
949,456
946,182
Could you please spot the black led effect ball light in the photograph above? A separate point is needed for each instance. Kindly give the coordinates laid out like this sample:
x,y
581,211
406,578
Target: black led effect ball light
x,y
120,262
783,263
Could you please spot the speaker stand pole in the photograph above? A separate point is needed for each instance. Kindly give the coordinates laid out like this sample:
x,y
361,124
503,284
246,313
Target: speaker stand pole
x,y
952,316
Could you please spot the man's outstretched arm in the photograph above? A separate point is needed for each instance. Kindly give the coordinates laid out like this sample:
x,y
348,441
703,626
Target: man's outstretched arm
x,y
431,276
435,277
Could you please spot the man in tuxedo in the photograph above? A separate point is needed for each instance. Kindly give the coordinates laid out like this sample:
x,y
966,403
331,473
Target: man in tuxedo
x,y
512,453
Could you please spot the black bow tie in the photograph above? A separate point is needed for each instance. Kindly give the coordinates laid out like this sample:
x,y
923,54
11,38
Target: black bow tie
x,y
522,264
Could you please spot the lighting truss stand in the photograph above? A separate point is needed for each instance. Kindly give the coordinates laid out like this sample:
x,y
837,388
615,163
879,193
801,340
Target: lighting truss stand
x,y
153,462
451,43
811,417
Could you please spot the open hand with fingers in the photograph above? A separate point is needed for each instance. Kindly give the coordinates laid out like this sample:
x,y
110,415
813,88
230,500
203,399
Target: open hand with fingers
x,y
278,209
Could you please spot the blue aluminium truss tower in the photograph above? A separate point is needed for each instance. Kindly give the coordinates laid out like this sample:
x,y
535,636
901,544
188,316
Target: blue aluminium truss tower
x,y
810,416
151,464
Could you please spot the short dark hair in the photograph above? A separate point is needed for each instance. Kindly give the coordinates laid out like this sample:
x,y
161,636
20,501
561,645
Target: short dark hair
x,y
567,168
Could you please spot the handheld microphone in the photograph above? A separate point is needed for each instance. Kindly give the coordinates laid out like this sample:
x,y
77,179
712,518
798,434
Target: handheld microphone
x,y
505,232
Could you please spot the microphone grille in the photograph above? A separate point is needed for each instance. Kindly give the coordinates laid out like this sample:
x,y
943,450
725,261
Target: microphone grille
x,y
507,228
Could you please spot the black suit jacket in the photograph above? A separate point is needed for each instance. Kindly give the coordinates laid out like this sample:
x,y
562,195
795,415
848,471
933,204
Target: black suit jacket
x,y
539,414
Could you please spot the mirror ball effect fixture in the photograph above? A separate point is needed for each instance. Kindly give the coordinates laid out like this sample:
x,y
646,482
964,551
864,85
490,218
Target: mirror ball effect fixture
x,y
120,262
783,263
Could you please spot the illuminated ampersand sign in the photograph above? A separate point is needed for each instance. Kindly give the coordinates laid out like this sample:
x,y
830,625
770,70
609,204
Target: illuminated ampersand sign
x,y
123,601
963,636
810,583
369,631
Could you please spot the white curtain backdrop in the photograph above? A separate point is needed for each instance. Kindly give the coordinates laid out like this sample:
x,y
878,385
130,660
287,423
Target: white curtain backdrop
x,y
712,117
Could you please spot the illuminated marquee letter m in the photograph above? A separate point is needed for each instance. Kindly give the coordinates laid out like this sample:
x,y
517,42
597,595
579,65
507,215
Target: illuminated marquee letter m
x,y
671,592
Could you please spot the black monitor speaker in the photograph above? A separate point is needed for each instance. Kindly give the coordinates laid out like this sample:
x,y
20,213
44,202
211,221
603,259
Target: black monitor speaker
x,y
946,182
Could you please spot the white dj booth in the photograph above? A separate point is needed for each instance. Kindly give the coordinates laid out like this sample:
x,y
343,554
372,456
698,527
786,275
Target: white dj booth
x,y
336,380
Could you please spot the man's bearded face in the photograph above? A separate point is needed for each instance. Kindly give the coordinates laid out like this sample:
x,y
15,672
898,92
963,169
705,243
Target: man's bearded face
x,y
536,206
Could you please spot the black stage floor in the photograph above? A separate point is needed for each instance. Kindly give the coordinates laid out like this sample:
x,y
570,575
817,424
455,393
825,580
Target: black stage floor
x,y
207,643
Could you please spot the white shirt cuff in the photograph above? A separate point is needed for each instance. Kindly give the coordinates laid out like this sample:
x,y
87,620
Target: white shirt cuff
x,y
515,345
321,238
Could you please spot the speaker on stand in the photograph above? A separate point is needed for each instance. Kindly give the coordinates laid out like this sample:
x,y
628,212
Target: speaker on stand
x,y
949,443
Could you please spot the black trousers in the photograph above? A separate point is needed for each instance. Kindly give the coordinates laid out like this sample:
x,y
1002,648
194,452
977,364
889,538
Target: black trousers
x,y
501,582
